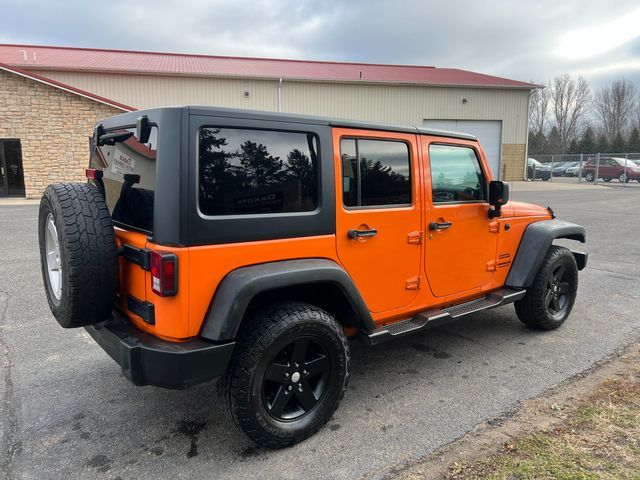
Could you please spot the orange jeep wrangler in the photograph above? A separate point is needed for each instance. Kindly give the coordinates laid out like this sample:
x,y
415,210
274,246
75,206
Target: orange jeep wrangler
x,y
214,242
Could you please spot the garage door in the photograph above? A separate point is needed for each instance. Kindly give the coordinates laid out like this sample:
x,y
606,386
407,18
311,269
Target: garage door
x,y
489,132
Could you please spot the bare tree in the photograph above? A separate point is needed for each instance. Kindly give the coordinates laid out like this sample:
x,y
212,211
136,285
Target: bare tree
x,y
614,107
636,119
571,100
539,109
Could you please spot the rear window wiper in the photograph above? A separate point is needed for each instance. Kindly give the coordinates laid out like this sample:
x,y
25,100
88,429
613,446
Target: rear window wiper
x,y
114,137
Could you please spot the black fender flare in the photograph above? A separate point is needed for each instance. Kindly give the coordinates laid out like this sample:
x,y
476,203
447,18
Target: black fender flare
x,y
239,287
535,242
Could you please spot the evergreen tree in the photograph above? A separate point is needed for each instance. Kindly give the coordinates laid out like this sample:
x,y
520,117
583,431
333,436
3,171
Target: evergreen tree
x,y
261,169
574,147
554,142
537,143
633,144
618,144
299,168
587,142
602,145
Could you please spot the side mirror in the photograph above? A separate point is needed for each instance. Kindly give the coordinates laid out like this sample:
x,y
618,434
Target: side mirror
x,y
143,129
498,196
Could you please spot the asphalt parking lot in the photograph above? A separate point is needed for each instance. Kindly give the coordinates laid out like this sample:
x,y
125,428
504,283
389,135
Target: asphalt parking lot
x,y
66,411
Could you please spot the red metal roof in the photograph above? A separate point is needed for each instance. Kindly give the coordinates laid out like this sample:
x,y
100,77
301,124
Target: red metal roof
x,y
135,62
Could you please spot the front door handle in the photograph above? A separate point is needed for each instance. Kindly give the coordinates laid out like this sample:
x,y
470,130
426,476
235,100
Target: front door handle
x,y
356,234
439,226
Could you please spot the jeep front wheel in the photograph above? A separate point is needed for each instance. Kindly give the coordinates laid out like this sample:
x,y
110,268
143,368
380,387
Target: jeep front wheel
x,y
550,298
287,375
589,177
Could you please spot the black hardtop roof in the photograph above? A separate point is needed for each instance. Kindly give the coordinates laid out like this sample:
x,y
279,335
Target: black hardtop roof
x,y
315,120
303,119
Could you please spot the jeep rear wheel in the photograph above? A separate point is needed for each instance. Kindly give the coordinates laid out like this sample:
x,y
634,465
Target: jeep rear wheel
x,y
550,298
287,375
78,254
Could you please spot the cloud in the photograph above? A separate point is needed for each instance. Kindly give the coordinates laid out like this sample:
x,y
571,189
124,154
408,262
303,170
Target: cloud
x,y
513,39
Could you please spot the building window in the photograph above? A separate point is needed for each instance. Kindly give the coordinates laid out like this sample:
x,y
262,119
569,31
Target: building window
x,y
375,173
244,172
456,175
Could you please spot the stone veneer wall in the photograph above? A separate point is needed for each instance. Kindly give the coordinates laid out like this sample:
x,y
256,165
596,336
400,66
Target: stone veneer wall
x,y
53,127
513,161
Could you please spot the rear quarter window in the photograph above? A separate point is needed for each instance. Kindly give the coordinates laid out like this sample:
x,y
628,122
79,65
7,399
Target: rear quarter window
x,y
249,172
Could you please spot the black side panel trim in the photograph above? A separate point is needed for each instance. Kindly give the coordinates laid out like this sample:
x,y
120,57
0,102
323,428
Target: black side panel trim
x,y
535,243
581,259
236,290
143,309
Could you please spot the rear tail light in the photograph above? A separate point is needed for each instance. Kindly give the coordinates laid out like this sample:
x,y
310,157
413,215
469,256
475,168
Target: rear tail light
x,y
164,273
93,174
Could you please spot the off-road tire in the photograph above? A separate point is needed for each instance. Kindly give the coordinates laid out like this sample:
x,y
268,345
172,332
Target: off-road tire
x,y
532,308
87,251
266,333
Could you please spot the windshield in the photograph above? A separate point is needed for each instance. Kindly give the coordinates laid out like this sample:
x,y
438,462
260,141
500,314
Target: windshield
x,y
533,161
129,179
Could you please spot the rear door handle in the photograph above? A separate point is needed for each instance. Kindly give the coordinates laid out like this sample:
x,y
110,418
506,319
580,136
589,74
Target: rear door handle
x,y
439,226
355,234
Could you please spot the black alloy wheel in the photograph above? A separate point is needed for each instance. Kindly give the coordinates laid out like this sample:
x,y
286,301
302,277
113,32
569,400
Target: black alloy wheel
x,y
556,298
550,298
288,373
296,379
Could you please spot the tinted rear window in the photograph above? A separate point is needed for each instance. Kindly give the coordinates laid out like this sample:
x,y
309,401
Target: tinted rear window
x,y
375,172
129,177
243,172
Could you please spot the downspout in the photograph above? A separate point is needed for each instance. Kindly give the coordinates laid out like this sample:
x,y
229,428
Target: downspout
x,y
526,146
280,95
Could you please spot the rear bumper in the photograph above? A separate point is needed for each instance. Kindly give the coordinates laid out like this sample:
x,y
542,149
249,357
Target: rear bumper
x,y
149,360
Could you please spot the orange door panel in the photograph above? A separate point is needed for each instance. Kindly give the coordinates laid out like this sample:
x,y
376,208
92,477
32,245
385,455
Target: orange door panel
x,y
378,245
461,241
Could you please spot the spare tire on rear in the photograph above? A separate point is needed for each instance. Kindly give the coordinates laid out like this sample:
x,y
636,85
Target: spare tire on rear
x,y
78,254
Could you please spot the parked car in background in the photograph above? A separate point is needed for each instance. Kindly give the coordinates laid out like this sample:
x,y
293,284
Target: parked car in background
x,y
537,170
573,171
610,168
560,169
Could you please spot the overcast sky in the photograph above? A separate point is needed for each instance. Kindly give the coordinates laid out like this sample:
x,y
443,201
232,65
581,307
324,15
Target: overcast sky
x,y
533,40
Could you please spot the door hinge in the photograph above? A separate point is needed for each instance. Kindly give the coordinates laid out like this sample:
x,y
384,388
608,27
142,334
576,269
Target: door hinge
x,y
139,256
491,266
413,283
494,227
415,237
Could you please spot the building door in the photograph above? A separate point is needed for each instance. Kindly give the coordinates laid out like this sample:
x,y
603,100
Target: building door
x,y
378,219
11,171
489,133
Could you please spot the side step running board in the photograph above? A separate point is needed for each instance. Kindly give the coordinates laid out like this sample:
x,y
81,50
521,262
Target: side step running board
x,y
440,316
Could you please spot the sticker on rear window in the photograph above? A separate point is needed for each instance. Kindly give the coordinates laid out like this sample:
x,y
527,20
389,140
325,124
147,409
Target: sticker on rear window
x,y
122,164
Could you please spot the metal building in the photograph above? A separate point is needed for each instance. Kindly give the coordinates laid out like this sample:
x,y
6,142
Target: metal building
x,y
493,108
